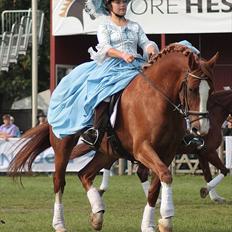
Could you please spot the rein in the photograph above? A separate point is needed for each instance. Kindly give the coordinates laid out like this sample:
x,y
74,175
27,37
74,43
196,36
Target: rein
x,y
180,108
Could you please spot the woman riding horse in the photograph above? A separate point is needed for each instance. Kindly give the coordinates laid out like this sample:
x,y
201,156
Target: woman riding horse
x,y
175,87
81,91
150,126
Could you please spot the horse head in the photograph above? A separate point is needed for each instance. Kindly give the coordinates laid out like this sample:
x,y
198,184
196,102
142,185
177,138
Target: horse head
x,y
197,88
193,78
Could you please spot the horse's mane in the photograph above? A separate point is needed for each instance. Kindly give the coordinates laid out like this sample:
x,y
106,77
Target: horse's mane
x,y
171,48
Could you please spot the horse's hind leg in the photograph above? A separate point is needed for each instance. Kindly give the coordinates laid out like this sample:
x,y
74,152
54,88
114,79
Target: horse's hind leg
x,y
62,150
87,175
143,174
105,181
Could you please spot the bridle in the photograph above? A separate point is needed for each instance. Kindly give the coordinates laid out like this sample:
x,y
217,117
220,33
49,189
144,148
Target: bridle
x,y
182,108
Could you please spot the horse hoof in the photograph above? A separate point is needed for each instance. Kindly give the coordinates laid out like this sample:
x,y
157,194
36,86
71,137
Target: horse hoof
x,y
165,225
204,192
219,200
96,220
101,192
148,229
61,230
162,228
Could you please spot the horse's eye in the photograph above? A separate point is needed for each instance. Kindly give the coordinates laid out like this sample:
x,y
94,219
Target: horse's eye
x,y
190,89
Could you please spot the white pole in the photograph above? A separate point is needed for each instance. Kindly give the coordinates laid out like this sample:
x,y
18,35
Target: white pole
x,y
34,62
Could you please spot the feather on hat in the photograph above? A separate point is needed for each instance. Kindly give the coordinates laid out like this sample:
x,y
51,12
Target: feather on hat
x,y
97,7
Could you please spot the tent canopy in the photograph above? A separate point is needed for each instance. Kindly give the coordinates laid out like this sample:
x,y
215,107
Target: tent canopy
x,y
25,103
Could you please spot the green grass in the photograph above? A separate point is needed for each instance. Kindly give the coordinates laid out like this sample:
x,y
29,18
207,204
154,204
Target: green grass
x,y
29,209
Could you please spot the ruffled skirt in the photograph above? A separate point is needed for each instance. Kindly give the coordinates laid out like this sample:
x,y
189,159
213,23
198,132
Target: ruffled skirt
x,y
73,101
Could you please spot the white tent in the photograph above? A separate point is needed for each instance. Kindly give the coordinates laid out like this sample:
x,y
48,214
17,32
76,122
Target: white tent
x,y
25,103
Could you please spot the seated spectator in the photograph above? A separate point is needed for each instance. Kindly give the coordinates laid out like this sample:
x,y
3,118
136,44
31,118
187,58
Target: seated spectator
x,y
8,130
42,118
227,131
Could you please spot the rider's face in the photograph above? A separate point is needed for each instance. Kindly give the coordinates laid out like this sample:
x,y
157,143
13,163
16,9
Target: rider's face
x,y
119,7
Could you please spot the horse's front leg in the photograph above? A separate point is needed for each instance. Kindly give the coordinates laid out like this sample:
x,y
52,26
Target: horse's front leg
x,y
105,178
147,156
62,150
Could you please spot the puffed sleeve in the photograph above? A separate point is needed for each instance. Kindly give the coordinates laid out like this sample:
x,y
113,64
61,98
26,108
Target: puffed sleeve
x,y
103,46
144,42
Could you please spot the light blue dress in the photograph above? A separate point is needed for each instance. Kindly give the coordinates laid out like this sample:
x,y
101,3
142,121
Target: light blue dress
x,y
75,98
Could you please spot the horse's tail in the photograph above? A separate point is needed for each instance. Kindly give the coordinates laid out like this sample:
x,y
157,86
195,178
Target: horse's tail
x,y
30,145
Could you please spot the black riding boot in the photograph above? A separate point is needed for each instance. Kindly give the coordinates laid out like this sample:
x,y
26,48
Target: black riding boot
x,y
91,135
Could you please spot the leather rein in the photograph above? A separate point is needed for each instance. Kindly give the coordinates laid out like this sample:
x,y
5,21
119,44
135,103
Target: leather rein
x,y
182,108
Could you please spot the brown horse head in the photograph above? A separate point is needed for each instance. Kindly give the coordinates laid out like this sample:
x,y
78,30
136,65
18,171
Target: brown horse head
x,y
187,79
200,83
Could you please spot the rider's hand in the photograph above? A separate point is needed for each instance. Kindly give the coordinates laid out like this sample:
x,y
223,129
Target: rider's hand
x,y
127,57
151,51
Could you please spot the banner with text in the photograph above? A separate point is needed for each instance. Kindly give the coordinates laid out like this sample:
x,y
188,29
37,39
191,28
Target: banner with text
x,y
44,162
155,16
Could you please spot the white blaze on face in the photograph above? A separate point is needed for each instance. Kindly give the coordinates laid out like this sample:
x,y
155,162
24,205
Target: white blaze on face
x,y
204,95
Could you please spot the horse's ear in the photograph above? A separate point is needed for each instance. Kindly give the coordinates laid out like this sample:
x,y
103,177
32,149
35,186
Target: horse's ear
x,y
193,61
211,63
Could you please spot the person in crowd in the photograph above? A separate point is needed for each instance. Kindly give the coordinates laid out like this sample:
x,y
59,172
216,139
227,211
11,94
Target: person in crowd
x,y
42,118
115,63
12,121
7,129
227,130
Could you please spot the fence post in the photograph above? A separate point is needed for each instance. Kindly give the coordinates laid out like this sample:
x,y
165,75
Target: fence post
x,y
121,166
129,168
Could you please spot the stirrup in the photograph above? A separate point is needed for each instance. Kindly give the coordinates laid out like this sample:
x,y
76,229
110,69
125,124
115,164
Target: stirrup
x,y
90,136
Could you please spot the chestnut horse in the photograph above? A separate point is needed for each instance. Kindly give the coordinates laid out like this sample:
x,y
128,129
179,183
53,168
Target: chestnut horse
x,y
151,113
219,107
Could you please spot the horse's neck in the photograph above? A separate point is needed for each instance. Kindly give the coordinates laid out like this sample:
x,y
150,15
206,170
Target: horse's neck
x,y
166,72
221,108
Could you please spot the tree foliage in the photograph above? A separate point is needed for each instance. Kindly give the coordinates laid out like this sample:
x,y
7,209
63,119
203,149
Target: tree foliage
x,y
16,83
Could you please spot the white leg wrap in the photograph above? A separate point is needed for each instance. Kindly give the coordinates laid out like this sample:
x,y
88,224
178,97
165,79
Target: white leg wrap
x,y
166,207
58,217
215,181
146,186
105,180
95,200
148,222
215,197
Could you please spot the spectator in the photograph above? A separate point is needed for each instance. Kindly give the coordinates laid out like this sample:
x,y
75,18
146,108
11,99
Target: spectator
x,y
12,122
227,131
7,129
42,118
